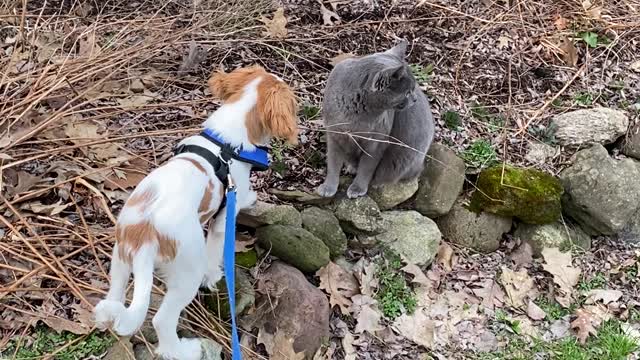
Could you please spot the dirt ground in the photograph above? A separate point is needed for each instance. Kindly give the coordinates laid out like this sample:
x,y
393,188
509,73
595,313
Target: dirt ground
x,y
95,94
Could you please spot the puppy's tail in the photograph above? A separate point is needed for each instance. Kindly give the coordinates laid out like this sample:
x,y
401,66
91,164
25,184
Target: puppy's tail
x,y
126,321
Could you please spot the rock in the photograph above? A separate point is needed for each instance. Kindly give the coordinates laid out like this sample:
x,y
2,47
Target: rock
x,y
292,305
539,152
247,259
632,143
531,195
590,126
269,214
441,181
601,194
553,235
631,233
359,216
389,196
300,197
120,350
412,235
326,227
218,302
479,231
211,350
295,246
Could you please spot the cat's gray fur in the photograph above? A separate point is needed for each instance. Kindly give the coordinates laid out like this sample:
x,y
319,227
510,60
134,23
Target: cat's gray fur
x,y
375,97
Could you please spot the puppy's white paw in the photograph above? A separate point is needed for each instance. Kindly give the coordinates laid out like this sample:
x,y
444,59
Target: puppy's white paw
x,y
211,278
107,313
185,349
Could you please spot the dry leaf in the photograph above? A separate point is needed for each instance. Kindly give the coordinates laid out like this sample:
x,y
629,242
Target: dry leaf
x,y
283,348
632,332
244,242
491,294
123,179
365,272
594,12
523,255
347,347
503,42
59,325
135,101
565,276
418,275
368,320
26,182
635,66
84,131
535,312
518,286
560,23
49,210
339,284
87,45
418,328
584,325
328,17
342,56
570,55
445,256
5,141
606,296
276,27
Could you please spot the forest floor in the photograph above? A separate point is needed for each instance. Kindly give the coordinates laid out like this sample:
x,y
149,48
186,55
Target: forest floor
x,y
96,95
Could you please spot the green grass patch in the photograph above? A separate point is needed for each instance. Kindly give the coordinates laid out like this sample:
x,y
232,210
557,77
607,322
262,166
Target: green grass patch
x,y
310,112
394,296
583,99
553,310
278,148
480,154
546,134
422,73
452,120
46,341
597,281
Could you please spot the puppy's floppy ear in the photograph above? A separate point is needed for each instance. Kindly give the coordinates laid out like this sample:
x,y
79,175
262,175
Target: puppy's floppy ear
x,y
278,111
217,85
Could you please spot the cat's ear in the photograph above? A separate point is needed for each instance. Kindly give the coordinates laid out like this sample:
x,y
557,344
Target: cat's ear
x,y
400,50
384,77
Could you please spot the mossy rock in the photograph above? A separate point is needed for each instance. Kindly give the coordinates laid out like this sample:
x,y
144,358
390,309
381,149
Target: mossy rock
x,y
247,259
530,195
295,246
218,302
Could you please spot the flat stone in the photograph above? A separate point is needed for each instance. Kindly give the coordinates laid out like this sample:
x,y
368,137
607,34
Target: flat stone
x,y
441,181
360,216
269,214
559,235
590,126
300,197
389,196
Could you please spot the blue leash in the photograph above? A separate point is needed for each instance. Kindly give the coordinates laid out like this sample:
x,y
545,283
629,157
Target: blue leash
x,y
229,256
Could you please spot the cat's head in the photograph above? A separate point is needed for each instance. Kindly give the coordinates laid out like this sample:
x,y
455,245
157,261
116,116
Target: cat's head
x,y
388,79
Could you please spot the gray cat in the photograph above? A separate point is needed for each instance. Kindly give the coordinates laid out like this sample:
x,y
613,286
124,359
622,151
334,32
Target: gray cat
x,y
376,100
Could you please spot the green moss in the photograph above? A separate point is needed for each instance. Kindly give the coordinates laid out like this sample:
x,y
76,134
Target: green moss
x,y
528,194
45,341
247,259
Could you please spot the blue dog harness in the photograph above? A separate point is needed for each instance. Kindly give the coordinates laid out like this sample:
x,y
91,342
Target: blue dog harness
x,y
259,160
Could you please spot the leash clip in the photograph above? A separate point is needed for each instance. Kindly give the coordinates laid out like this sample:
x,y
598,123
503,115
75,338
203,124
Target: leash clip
x,y
231,186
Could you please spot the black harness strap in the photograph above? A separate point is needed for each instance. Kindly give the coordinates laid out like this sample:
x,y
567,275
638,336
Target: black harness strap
x,y
220,166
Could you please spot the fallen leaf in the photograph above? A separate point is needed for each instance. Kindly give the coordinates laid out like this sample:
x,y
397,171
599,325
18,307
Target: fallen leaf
x,y
5,141
491,294
564,274
328,17
445,256
594,12
584,325
535,312
559,329
283,348
560,23
339,284
59,325
136,101
123,179
632,332
518,286
503,42
368,320
417,327
342,56
635,66
244,242
347,347
570,54
606,296
26,182
49,210
87,45
81,132
523,255
365,272
276,27
418,275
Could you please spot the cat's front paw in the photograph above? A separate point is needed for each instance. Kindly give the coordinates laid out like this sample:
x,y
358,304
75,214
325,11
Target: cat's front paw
x,y
327,190
356,191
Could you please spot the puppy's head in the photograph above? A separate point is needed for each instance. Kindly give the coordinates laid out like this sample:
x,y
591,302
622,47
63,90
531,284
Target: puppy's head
x,y
274,113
